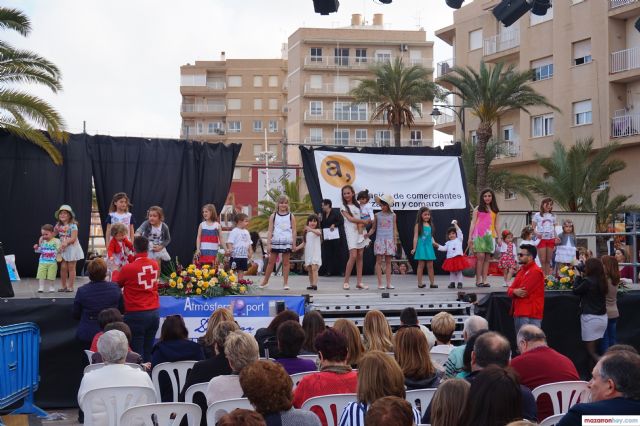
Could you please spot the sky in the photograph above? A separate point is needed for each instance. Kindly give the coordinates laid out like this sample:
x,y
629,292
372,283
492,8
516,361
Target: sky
x,y
120,60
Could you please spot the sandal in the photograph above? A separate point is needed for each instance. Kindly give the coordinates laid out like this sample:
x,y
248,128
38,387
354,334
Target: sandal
x,y
422,285
62,290
263,285
482,285
69,290
286,287
362,287
433,286
345,286
312,287
390,287
380,288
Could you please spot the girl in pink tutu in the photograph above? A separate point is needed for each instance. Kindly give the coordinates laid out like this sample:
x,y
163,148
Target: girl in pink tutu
x,y
455,262
508,254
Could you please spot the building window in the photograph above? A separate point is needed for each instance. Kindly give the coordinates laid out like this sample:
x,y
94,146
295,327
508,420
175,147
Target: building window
x,y
475,39
215,127
234,104
536,19
507,133
237,174
582,52
542,125
542,68
383,137
234,127
273,81
316,54
315,135
341,136
361,56
341,56
257,125
474,137
315,107
234,81
347,111
383,56
257,81
602,185
509,195
273,104
582,112
200,128
361,137
273,126
315,81
257,104
416,137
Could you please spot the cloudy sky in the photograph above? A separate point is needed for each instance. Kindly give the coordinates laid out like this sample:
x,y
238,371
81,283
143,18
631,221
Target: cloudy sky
x,y
121,60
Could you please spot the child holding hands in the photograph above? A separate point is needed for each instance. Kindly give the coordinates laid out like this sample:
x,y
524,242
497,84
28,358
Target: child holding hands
x,y
48,247
239,245
455,262
386,229
312,253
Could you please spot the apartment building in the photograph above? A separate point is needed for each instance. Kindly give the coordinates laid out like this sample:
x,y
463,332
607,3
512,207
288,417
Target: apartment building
x,y
586,57
325,64
236,101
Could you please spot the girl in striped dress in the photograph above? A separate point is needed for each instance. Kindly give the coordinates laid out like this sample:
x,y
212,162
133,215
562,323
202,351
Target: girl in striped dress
x,y
209,237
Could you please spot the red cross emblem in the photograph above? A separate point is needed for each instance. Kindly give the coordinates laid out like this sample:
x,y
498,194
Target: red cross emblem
x,y
147,277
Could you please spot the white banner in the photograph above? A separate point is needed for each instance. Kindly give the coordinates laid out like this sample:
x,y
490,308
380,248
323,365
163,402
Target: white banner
x,y
414,181
275,177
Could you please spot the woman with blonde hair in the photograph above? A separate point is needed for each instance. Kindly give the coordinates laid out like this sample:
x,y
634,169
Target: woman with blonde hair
x,y
445,406
208,341
377,332
412,354
355,348
379,375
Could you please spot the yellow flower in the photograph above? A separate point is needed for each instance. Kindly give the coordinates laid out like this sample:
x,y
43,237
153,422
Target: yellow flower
x,y
564,269
189,285
192,266
232,278
206,267
564,279
205,274
198,272
571,273
200,283
172,283
198,291
223,274
243,289
173,275
183,273
179,280
180,286
205,284
213,281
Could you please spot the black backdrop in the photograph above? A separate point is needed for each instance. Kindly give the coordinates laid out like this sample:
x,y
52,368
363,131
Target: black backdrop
x,y
406,218
179,176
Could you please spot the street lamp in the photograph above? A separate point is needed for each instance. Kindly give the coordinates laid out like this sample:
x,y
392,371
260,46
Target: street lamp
x,y
266,156
457,109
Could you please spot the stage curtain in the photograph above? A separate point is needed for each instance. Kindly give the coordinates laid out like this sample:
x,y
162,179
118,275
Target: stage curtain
x,y
406,219
177,175
33,188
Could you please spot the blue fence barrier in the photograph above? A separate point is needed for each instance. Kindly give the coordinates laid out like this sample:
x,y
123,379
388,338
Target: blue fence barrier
x,y
19,366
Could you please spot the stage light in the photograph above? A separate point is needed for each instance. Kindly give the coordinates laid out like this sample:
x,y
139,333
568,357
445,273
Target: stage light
x,y
540,7
455,4
509,11
325,7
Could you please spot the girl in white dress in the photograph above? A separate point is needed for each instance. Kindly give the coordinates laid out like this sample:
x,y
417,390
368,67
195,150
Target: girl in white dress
x,y
280,239
312,250
351,213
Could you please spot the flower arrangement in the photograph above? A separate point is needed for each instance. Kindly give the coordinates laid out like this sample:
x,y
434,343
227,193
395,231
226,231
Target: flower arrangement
x,y
202,280
564,280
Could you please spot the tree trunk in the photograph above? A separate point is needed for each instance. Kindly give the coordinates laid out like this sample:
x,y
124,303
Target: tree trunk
x,y
484,133
397,128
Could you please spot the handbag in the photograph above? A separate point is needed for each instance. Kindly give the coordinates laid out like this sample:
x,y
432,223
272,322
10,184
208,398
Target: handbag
x,y
471,260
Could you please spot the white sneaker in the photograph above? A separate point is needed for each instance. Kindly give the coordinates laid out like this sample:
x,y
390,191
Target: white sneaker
x,y
52,290
505,284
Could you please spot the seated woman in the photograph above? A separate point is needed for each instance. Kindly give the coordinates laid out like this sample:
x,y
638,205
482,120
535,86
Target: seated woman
x,y
207,341
312,324
412,354
355,348
379,376
132,357
445,405
377,332
268,387
290,338
266,337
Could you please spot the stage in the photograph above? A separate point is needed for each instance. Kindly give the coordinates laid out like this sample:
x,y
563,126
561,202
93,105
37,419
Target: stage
x,y
62,360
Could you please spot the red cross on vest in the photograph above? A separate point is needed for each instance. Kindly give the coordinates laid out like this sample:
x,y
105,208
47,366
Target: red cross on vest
x,y
147,277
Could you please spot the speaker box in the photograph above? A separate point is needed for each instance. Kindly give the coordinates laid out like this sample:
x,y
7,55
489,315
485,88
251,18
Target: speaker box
x,y
455,4
509,11
5,283
540,7
325,7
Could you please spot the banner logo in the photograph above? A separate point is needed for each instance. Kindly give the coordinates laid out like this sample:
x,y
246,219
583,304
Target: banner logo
x,y
338,171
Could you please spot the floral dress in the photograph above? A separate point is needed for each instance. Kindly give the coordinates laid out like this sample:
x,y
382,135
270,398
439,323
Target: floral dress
x,y
72,252
507,256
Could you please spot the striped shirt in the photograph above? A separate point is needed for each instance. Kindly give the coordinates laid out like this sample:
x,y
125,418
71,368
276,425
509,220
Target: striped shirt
x,y
209,241
353,414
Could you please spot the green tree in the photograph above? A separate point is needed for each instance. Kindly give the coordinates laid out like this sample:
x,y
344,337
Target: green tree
x,y
395,92
300,206
499,180
489,93
23,114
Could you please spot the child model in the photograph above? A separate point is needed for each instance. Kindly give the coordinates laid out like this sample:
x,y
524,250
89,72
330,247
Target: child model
x,y
208,240
352,218
280,239
482,234
544,223
423,244
508,254
67,231
366,214
526,238
48,247
566,244
455,262
312,250
157,232
120,249
239,245
386,229
119,213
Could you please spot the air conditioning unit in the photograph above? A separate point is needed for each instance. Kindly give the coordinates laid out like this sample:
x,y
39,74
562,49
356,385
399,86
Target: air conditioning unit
x,y
285,109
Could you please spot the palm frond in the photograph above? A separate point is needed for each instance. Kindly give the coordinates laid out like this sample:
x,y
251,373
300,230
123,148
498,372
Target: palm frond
x,y
14,19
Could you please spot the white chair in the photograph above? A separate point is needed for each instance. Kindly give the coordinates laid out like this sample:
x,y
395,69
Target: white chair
x,y
114,401
99,365
439,358
162,414
552,420
89,354
420,398
564,395
194,389
177,372
336,402
296,378
313,358
220,408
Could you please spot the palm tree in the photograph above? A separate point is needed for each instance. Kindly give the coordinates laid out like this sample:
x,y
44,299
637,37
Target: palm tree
x,y
497,179
301,207
489,93
395,92
23,114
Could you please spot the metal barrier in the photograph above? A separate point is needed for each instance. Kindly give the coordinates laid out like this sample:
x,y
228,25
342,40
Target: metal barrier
x,y
19,367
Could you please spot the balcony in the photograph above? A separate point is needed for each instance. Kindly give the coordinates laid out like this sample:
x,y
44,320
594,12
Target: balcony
x,y
203,108
445,123
341,142
509,149
329,89
502,42
623,9
625,65
350,116
444,67
356,62
211,88
625,125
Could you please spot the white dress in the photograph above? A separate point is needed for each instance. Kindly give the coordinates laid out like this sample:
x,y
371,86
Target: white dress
x,y
312,250
351,229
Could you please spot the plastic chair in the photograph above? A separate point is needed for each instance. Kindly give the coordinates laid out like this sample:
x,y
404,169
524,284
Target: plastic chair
x,y
296,378
331,405
551,420
220,408
193,390
177,372
564,395
313,358
115,401
89,354
162,414
99,365
420,398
